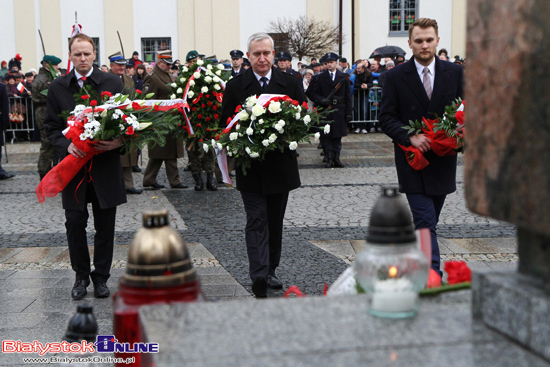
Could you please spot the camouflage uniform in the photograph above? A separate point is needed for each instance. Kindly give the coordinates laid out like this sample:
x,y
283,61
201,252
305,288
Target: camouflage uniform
x,y
201,160
47,156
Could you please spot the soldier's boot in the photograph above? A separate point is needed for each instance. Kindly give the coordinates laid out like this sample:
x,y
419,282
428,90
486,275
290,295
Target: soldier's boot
x,y
329,159
324,154
211,182
336,160
199,184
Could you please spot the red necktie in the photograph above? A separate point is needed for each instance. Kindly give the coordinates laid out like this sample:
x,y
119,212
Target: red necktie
x,y
83,78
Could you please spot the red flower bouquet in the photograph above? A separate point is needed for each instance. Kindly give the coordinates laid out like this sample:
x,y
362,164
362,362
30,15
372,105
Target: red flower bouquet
x,y
446,134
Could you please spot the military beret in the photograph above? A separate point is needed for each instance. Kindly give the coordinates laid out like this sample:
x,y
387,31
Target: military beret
x,y
117,58
51,59
191,55
331,56
284,56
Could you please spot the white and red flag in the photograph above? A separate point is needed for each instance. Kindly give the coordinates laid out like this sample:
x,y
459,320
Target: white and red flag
x,y
77,28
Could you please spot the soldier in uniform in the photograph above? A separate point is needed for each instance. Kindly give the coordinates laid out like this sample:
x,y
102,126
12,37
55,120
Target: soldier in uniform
x,y
237,62
199,160
46,158
157,83
130,159
285,65
322,92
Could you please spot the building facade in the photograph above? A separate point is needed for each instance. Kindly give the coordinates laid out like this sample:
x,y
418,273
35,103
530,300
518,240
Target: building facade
x,y
214,27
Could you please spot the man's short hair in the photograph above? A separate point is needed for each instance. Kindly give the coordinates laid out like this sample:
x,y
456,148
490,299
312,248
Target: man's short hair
x,y
81,37
390,63
260,36
424,23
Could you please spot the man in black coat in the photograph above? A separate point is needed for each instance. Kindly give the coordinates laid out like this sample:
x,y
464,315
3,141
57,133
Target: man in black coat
x,y
322,91
421,87
100,182
266,185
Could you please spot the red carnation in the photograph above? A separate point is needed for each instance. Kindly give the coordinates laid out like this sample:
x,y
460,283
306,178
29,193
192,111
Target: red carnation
x,y
214,107
203,105
295,103
130,130
93,103
208,118
199,126
135,106
138,91
200,139
460,117
199,116
106,94
457,272
237,109
208,96
216,116
85,97
304,105
209,103
217,137
156,107
194,109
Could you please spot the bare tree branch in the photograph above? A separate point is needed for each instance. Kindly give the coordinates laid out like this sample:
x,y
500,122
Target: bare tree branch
x,y
307,37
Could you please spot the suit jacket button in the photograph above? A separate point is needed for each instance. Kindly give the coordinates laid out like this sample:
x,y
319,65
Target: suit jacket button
x,y
413,108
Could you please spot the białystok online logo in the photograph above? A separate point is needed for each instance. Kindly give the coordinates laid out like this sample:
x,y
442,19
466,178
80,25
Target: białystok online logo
x,y
103,344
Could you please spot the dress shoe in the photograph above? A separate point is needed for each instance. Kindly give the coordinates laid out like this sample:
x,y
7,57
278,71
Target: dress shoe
x,y
180,186
6,175
133,191
79,289
101,290
136,169
259,287
155,186
187,168
273,282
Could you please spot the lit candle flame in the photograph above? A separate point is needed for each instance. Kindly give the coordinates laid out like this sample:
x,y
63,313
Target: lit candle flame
x,y
392,272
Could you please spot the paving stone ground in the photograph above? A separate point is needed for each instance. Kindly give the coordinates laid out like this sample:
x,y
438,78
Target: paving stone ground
x,y
325,226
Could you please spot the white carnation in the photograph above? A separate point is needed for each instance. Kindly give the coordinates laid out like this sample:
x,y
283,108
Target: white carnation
x,y
219,146
220,67
251,101
173,96
327,129
219,73
204,89
217,87
191,83
254,155
208,79
209,66
182,80
216,79
200,62
184,69
179,91
190,94
250,131
307,119
298,116
265,142
317,136
243,115
205,147
173,85
238,127
233,136
197,74
247,149
293,145
272,138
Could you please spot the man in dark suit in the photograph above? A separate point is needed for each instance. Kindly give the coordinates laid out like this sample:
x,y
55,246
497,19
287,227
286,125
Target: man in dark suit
x,y
4,124
266,185
284,61
421,87
99,182
322,91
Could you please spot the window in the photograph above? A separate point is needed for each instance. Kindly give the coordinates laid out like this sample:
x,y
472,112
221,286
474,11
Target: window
x,y
402,15
150,46
281,42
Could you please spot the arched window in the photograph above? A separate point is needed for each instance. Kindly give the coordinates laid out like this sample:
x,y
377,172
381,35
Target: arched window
x,y
402,15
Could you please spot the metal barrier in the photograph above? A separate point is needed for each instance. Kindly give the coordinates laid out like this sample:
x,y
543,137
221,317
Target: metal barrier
x,y
366,105
21,117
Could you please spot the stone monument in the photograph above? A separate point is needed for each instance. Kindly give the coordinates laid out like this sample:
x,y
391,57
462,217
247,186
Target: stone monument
x,y
507,159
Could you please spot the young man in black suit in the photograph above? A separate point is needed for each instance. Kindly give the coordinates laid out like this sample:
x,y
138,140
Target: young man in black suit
x,y
266,185
99,182
421,87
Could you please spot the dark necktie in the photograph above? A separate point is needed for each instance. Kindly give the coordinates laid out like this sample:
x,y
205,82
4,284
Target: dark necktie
x,y
263,79
332,76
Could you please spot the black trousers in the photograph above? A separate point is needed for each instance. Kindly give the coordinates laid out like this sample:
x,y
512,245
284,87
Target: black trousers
x,y
332,144
264,231
104,224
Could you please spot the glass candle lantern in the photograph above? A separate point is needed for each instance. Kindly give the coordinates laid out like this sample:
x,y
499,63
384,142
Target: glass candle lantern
x,y
391,269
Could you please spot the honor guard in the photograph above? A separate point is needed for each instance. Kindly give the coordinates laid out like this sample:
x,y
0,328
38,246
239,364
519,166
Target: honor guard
x,y
237,62
285,65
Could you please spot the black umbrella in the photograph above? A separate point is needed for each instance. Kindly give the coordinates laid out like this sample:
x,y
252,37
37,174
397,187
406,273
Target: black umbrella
x,y
387,51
